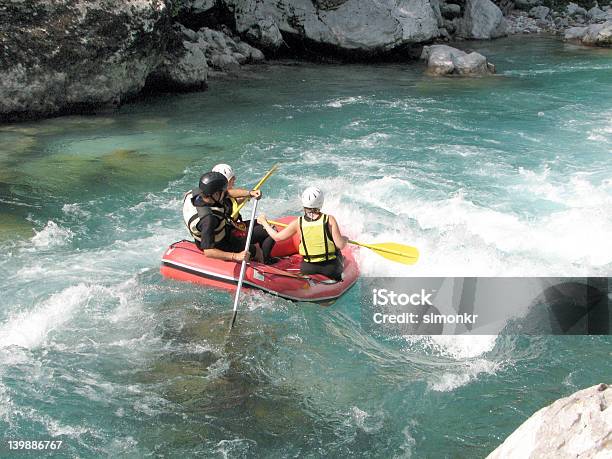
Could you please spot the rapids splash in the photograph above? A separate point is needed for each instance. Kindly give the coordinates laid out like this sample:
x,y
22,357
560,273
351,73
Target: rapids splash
x,y
508,176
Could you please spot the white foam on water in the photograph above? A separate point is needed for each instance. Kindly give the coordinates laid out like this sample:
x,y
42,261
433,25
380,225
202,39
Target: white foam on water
x,y
470,371
238,447
602,134
31,328
365,421
76,210
338,103
51,235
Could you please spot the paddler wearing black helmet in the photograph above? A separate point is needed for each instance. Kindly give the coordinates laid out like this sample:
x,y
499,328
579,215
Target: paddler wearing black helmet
x,y
209,220
260,235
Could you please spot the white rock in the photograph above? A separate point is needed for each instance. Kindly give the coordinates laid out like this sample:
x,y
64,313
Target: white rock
x,y
481,20
354,25
574,33
595,14
578,426
593,35
446,60
598,35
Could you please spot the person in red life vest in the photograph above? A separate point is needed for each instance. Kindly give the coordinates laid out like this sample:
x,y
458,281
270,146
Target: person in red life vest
x,y
320,237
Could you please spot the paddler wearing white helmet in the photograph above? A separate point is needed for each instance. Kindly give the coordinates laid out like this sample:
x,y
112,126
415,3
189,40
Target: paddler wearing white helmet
x,y
231,203
320,237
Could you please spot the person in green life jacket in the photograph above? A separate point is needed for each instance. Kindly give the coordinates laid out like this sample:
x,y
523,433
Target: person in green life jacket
x,y
209,221
259,236
320,238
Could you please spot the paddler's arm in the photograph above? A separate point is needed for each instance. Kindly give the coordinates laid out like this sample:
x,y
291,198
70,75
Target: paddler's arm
x,y
339,240
241,193
207,241
278,236
219,254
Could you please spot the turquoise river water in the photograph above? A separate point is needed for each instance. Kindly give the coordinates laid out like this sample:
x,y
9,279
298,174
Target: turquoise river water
x,y
509,175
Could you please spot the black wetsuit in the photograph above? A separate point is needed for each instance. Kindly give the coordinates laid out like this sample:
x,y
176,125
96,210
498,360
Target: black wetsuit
x,y
330,268
260,235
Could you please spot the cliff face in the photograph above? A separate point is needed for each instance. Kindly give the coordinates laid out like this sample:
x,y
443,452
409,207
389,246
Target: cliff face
x,y
576,426
66,56
69,55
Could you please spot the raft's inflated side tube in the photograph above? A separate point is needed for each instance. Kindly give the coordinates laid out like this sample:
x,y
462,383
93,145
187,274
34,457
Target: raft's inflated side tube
x,y
184,261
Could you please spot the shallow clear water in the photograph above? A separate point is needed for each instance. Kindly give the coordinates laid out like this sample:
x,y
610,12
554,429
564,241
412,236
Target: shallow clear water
x,y
509,175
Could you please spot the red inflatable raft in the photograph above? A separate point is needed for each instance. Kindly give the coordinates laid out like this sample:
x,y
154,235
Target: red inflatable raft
x,y
184,261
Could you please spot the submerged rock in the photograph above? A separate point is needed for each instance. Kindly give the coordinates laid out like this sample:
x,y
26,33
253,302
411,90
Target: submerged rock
x,y
593,35
481,20
576,426
446,60
76,55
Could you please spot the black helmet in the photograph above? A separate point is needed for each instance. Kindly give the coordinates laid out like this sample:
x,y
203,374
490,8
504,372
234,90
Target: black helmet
x,y
211,182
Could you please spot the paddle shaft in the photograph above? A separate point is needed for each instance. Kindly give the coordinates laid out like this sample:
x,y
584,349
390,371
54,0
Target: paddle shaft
x,y
244,263
360,244
256,187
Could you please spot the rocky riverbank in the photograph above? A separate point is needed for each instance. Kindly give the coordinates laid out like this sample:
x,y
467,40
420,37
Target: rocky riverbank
x,y
72,56
534,17
576,426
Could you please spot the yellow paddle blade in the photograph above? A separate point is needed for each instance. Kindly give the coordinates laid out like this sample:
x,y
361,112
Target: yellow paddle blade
x,y
266,177
393,251
256,187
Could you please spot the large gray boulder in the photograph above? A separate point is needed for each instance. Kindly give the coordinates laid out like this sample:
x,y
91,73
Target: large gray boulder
x,y
593,35
265,33
596,14
66,55
446,60
578,426
345,25
573,9
184,66
481,20
450,10
598,35
225,53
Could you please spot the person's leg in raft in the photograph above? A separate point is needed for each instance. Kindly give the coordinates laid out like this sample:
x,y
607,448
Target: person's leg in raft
x,y
260,236
331,268
236,245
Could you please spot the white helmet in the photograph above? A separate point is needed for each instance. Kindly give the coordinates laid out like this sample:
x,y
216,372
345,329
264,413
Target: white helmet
x,y
312,197
226,170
